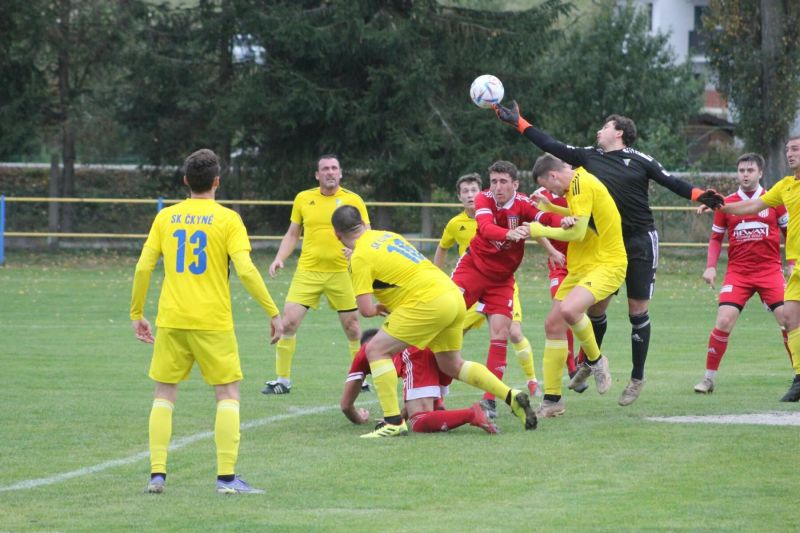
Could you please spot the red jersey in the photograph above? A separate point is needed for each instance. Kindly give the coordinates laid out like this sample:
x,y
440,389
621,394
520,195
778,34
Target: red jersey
x,y
560,201
753,240
496,257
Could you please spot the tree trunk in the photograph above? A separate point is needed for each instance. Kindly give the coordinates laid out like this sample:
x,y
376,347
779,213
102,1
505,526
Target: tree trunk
x,y
772,31
68,176
54,191
65,103
426,218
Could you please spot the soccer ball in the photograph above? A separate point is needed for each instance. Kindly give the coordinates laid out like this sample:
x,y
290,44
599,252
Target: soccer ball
x,y
486,91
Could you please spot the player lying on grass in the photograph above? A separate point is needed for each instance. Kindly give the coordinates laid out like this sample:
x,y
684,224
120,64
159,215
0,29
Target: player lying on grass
x,y
423,388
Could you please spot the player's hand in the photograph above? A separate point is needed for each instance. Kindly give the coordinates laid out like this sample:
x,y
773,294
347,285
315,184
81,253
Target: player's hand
x,y
709,275
509,115
789,268
703,209
347,252
518,234
568,222
274,267
362,415
143,331
708,197
275,329
541,201
556,259
381,310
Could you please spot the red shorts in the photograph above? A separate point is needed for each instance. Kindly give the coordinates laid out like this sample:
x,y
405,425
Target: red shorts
x,y
421,375
557,275
497,297
738,288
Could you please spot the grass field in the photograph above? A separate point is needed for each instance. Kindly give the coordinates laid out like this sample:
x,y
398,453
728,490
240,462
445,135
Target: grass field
x,y
77,398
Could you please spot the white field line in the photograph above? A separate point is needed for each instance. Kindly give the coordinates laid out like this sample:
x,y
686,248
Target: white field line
x,y
762,419
176,445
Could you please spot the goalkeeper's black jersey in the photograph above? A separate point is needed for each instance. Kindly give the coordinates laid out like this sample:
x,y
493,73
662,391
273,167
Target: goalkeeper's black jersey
x,y
626,174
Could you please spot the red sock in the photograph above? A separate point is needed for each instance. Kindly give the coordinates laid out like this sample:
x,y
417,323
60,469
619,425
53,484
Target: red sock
x,y
436,421
496,361
571,366
717,344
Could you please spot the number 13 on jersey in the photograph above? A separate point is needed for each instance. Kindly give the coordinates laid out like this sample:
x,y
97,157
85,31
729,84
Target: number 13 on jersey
x,y
197,241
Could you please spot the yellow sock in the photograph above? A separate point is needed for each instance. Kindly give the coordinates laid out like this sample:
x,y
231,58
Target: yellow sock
x,y
794,347
479,376
384,376
226,436
353,346
525,356
160,434
555,355
585,334
284,351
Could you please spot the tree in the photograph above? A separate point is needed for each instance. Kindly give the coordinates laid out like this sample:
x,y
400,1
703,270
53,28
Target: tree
x,y
754,48
616,66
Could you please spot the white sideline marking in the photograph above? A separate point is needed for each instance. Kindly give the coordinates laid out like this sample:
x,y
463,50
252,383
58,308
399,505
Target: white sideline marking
x,y
761,419
176,445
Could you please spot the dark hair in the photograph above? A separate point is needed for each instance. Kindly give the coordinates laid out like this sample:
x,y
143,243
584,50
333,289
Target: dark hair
x,y
368,334
546,163
200,169
346,219
505,167
626,126
328,156
474,177
751,157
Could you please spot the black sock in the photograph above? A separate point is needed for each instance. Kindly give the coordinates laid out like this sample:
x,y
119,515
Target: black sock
x,y
508,397
796,378
599,326
393,420
154,474
552,397
640,343
227,478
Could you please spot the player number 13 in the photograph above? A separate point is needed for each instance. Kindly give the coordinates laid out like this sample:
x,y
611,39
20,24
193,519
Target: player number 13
x,y
199,242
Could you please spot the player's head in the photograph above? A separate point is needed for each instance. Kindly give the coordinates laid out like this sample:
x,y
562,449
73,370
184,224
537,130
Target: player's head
x,y
552,173
368,334
793,152
201,170
617,130
468,186
503,180
347,224
329,172
749,169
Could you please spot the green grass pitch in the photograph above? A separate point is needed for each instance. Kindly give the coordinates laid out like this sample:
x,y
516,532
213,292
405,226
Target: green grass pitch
x,y
77,397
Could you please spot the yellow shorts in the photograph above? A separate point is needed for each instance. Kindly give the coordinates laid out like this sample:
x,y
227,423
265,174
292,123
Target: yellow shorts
x,y
474,318
436,324
176,350
601,280
307,287
792,291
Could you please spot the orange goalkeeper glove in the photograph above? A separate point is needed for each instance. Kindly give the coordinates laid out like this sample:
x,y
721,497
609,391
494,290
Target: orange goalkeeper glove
x,y
708,197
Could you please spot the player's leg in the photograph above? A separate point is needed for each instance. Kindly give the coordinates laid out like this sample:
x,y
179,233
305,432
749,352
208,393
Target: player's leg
x,y
226,437
293,314
777,312
496,359
522,346
640,281
727,315
171,363
791,314
339,292
555,354
573,310
384,375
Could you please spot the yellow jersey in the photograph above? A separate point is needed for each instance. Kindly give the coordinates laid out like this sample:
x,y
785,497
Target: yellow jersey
x,y
459,230
313,210
196,238
588,197
787,192
386,265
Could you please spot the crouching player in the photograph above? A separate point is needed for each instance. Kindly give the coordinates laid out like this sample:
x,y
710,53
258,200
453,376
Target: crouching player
x,y
424,386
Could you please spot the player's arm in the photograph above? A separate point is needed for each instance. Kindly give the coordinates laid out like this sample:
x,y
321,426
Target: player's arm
x,y
554,257
141,281
254,284
714,251
440,257
575,233
544,204
354,414
572,155
747,207
288,244
707,197
368,308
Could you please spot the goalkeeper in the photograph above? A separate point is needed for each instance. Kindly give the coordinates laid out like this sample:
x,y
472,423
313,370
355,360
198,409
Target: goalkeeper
x,y
626,173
